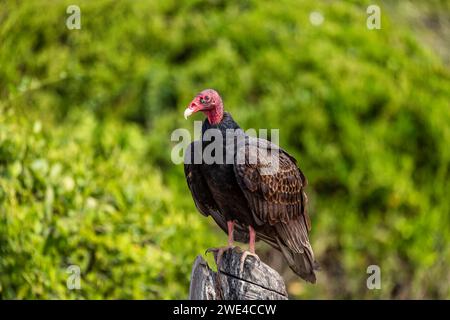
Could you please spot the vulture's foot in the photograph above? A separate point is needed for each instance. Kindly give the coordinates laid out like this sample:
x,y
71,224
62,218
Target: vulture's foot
x,y
244,256
218,253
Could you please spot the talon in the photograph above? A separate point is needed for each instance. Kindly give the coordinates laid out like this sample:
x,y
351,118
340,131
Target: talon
x,y
251,248
221,250
218,253
210,250
244,256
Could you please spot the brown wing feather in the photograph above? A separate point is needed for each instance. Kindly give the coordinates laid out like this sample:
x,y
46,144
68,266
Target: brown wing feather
x,y
274,188
272,183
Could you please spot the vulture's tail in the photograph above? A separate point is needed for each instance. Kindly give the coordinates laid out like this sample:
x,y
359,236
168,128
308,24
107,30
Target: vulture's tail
x,y
293,242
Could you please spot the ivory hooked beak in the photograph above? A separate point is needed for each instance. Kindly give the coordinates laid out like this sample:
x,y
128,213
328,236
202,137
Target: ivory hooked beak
x,y
188,112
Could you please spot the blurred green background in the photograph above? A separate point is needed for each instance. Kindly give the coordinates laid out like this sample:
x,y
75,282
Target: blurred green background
x,y
86,116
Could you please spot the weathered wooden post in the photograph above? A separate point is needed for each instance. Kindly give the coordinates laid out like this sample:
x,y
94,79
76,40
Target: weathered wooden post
x,y
256,280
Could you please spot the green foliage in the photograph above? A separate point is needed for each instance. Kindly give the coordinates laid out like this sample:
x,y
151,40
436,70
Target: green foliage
x,y
90,199
86,117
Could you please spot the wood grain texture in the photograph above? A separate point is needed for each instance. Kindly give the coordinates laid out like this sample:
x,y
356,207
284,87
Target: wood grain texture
x,y
256,280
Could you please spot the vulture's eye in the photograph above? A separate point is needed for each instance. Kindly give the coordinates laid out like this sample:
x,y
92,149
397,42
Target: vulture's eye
x,y
202,101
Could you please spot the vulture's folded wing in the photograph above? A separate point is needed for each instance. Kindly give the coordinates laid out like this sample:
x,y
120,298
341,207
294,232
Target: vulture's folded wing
x,y
271,181
196,182
201,193
274,188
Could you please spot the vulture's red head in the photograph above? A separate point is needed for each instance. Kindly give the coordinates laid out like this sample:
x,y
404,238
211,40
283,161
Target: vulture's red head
x,y
210,103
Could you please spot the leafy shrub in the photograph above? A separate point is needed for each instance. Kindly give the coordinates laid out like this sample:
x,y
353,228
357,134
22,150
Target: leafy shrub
x,y
90,199
86,117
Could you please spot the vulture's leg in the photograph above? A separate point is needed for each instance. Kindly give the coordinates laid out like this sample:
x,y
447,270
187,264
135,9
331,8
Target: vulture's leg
x,y
230,225
251,247
221,250
251,244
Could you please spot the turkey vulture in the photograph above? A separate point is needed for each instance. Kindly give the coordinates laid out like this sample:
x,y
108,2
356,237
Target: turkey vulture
x,y
249,200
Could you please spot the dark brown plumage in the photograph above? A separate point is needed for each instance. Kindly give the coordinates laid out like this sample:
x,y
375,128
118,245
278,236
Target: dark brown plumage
x,y
262,189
